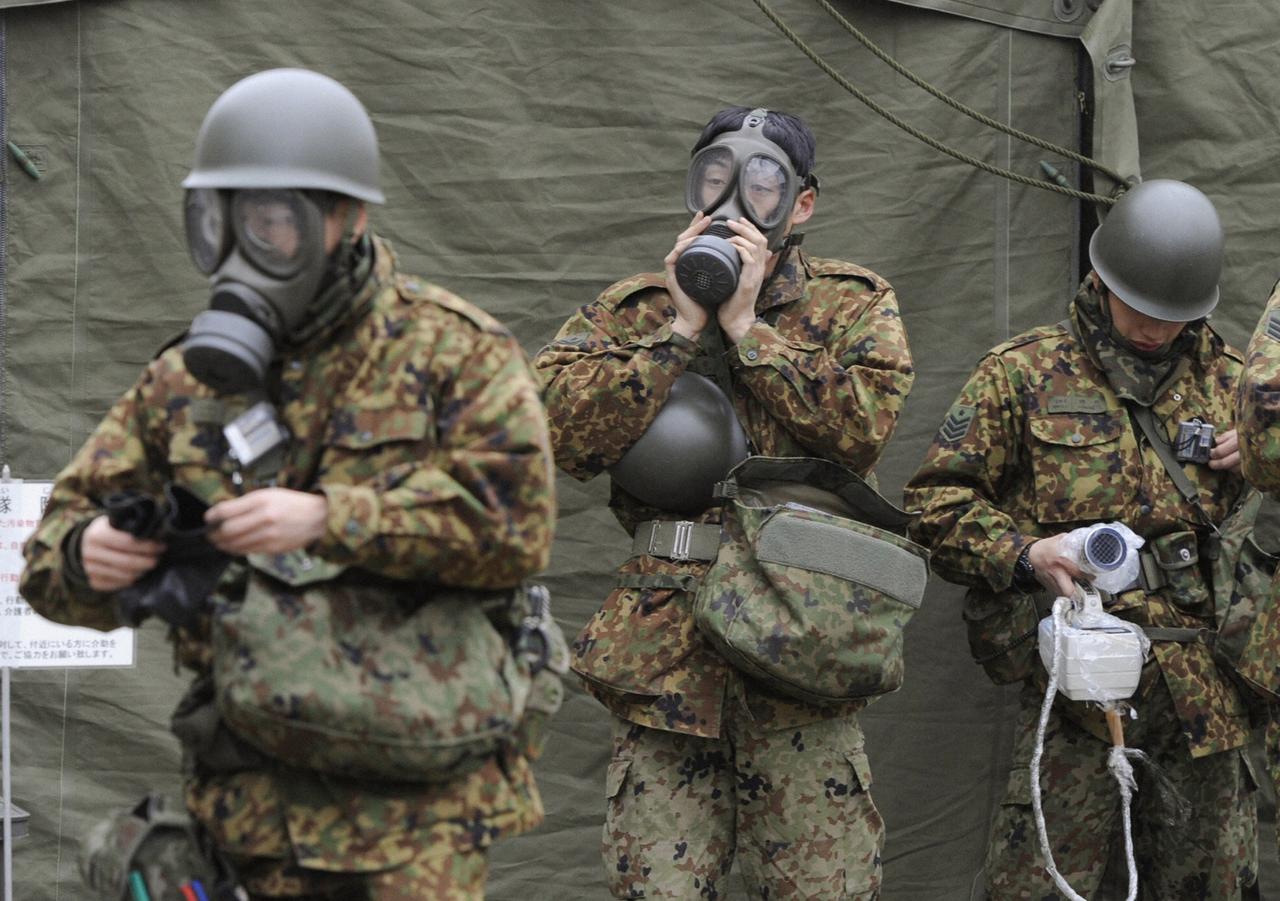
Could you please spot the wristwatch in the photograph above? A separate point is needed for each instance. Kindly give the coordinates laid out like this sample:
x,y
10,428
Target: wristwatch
x,y
1024,574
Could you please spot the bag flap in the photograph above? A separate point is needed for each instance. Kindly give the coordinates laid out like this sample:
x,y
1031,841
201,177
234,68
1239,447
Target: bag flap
x,y
782,479
849,552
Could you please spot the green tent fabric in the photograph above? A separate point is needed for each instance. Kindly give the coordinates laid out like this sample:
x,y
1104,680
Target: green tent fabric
x,y
533,153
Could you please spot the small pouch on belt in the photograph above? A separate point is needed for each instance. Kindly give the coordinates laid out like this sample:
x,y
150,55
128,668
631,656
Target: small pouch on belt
x,y
676,540
1172,562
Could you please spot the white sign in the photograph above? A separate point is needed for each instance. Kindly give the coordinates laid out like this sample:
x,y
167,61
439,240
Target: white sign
x,y
27,639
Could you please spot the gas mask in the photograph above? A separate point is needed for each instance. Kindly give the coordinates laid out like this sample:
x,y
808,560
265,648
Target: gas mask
x,y
740,174
263,251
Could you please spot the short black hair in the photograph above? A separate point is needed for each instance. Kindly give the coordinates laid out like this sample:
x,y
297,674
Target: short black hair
x,y
789,132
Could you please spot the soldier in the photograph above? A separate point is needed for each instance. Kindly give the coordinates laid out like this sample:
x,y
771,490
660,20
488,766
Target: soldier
x,y
1048,435
706,762
389,428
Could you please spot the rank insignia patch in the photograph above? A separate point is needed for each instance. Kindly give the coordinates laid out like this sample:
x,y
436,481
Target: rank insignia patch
x,y
957,423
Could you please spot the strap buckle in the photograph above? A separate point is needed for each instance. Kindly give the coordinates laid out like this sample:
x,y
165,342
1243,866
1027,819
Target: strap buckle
x,y
681,542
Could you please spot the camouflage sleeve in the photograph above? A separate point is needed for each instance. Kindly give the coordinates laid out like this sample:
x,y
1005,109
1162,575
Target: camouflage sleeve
x,y
479,511
843,399
114,458
1258,413
603,384
957,488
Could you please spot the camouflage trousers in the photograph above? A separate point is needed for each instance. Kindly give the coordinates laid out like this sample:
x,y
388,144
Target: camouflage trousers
x,y
446,868
792,805
1194,821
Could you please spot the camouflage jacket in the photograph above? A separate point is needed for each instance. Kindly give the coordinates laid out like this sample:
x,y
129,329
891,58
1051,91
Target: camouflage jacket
x,y
1039,443
1259,410
823,372
418,418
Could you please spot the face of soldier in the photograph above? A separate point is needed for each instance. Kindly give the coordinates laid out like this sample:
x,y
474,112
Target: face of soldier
x,y
1144,332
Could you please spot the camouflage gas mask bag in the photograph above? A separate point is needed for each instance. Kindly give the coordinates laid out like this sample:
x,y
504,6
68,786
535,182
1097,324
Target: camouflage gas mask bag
x,y
813,582
1244,593
348,674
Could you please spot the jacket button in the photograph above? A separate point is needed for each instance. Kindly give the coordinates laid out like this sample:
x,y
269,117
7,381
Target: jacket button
x,y
751,355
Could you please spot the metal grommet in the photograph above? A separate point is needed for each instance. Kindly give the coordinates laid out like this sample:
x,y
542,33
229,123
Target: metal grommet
x,y
1068,10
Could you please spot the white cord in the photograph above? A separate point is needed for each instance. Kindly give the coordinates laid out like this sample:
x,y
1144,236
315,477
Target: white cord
x,y
1117,763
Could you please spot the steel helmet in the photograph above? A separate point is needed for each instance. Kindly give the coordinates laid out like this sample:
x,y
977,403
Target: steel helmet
x,y
1160,250
691,444
288,128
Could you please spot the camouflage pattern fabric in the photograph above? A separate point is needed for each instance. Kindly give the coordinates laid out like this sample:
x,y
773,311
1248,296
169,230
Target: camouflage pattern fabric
x,y
1259,410
1194,819
418,418
1259,423
810,603
1049,447
823,372
792,804
446,867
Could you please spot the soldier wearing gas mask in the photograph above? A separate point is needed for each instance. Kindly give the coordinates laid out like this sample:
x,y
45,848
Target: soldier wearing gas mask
x,y
1122,412
347,426
744,343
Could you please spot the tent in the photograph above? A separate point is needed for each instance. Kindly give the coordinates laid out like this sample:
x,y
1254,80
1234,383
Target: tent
x,y
535,152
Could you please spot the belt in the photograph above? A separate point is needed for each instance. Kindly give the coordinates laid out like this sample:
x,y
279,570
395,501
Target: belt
x,y
676,540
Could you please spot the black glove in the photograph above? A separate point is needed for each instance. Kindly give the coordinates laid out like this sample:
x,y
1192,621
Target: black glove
x,y
177,589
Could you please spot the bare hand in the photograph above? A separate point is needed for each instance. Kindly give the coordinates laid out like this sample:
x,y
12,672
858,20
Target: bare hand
x,y
738,313
1055,572
113,559
267,521
691,316
1225,453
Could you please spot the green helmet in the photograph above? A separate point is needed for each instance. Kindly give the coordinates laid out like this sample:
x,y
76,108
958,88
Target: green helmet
x,y
691,445
288,128
1160,251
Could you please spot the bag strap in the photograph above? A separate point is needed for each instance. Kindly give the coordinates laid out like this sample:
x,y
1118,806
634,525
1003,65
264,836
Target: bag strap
x,y
712,348
1146,421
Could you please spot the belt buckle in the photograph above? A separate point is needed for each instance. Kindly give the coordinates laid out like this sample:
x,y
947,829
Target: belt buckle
x,y
682,541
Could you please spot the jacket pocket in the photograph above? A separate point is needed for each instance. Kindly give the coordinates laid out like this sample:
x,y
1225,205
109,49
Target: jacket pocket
x,y
1080,471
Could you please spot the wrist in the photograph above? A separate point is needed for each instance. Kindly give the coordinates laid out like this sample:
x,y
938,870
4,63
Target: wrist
x,y
1024,572
685,328
736,329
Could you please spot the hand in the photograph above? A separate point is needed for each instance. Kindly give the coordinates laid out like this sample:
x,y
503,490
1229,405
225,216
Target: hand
x,y
1055,572
267,521
738,313
1225,453
113,559
691,316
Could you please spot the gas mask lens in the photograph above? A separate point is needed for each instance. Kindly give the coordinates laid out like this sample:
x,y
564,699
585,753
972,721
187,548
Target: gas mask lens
x,y
710,178
274,229
208,238
762,189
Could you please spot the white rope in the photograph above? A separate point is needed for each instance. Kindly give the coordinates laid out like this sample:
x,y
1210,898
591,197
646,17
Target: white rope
x,y
1117,763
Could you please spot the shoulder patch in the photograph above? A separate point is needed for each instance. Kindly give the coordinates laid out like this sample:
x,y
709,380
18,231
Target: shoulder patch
x,y
412,288
956,426
1273,326
615,294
